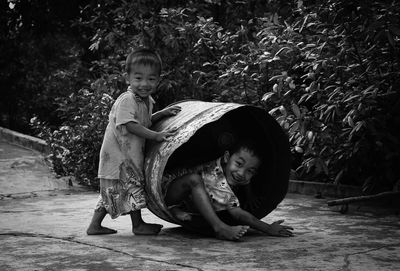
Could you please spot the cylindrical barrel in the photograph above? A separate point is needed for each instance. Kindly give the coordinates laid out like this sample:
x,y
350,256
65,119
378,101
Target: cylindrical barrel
x,y
205,129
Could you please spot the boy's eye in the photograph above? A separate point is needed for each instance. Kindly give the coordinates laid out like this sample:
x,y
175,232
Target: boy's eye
x,y
238,164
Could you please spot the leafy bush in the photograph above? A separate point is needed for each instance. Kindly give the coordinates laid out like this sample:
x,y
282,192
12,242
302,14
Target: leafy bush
x,y
327,71
76,144
336,99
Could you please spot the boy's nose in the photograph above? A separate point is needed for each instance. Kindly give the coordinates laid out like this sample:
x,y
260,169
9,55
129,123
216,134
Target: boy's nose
x,y
145,82
241,173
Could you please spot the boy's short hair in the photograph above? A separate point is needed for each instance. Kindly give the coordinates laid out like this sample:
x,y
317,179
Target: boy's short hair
x,y
248,145
143,56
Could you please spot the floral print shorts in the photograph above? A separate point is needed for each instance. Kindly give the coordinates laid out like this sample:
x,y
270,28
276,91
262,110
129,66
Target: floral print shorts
x,y
121,196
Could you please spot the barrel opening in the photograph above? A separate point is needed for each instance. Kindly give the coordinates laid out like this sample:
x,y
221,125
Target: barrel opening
x,y
211,140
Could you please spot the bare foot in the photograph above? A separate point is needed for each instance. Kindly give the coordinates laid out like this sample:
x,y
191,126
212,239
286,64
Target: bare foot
x,y
97,230
232,233
180,214
146,229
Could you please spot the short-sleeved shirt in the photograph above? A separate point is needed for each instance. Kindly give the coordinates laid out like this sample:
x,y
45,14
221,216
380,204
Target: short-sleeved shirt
x,y
221,195
119,146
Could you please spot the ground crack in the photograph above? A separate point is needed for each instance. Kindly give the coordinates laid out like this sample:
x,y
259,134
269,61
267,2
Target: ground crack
x,y
71,239
347,256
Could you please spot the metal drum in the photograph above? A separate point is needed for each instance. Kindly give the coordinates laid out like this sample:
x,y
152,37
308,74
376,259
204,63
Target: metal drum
x,y
205,130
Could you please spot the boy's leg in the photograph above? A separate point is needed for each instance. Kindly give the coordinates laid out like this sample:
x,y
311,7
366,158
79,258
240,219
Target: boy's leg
x,y
180,214
100,212
181,187
139,227
95,227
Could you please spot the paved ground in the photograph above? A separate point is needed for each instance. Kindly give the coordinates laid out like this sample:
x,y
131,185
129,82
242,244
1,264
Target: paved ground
x,y
24,172
47,232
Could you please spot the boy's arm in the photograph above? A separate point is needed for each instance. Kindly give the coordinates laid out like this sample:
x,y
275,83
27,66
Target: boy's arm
x,y
156,116
274,229
166,112
141,131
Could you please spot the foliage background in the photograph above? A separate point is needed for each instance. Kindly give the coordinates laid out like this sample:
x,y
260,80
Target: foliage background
x,y
327,70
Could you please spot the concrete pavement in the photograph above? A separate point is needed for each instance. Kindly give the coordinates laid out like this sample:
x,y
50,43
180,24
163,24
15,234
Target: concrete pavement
x,y
48,233
24,172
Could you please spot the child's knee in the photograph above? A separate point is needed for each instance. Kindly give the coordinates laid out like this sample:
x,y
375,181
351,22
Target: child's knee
x,y
194,180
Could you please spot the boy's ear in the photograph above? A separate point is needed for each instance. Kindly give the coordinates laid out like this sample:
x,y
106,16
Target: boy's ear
x,y
126,76
227,155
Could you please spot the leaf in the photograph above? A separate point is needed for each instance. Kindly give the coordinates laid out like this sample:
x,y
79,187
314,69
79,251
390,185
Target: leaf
x,y
304,97
298,149
225,92
304,23
351,98
281,50
273,59
267,96
272,111
281,119
94,46
296,110
333,93
275,88
338,177
279,76
294,127
367,90
310,45
350,121
283,110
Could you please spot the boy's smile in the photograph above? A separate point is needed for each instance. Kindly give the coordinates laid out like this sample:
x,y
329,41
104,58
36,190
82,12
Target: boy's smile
x,y
143,80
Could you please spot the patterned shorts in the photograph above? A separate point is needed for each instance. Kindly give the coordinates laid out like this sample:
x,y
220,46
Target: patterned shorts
x,y
121,196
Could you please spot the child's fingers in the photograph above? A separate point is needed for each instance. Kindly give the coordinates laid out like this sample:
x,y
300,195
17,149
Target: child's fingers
x,y
173,130
285,233
169,133
175,110
279,221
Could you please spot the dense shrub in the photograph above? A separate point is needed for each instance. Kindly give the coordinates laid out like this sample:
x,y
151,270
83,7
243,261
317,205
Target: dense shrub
x,y
76,144
327,71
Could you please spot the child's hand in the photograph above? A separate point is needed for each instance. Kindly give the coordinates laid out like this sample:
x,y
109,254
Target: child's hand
x,y
171,111
163,136
276,229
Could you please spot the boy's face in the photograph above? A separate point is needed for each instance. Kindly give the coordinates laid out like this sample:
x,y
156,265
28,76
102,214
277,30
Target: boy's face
x,y
143,80
241,167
